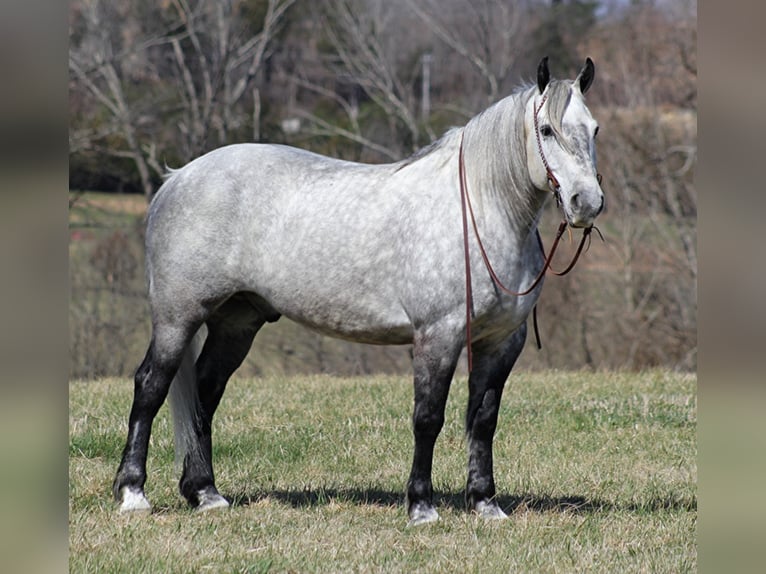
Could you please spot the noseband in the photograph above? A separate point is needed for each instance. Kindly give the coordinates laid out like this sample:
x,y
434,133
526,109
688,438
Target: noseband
x,y
466,208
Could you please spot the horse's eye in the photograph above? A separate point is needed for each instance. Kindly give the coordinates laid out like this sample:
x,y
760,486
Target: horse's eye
x,y
547,131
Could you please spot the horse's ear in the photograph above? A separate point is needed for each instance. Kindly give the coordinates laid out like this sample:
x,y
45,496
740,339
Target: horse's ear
x,y
543,75
586,75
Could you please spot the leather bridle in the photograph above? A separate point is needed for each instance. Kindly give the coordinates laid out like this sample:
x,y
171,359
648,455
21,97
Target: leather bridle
x,y
552,181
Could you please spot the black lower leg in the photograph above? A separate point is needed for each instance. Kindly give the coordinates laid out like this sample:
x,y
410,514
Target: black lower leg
x,y
225,348
419,486
197,476
481,483
491,369
152,382
434,360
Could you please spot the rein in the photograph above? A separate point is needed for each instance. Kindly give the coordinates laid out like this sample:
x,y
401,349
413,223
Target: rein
x,y
466,209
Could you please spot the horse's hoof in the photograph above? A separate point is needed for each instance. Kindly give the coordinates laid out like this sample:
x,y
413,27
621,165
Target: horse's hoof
x,y
490,511
422,514
210,501
134,502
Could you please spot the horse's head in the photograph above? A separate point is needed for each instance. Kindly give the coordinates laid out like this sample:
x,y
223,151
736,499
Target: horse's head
x,y
560,141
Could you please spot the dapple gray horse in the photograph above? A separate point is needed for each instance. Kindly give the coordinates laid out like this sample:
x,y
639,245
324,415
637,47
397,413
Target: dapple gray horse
x,y
372,253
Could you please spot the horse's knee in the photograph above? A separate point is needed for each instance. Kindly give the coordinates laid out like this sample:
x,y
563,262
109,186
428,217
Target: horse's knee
x,y
427,422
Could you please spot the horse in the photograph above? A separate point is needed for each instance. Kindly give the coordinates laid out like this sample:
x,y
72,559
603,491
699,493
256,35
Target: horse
x,y
379,254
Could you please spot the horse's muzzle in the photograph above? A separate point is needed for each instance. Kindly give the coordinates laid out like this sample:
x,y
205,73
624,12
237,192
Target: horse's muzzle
x,y
582,214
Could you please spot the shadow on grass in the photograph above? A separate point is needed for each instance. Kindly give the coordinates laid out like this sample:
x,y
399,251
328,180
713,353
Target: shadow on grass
x,y
321,496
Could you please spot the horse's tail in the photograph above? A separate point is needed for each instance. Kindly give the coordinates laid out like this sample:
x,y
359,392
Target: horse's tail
x,y
185,404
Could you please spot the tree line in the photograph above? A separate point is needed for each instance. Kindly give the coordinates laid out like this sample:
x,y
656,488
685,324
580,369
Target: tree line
x,y
156,83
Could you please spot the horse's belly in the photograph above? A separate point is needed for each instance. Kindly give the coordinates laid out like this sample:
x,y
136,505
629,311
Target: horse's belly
x,y
346,314
380,335
373,330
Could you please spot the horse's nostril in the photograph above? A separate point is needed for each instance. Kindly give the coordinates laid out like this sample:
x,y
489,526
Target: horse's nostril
x,y
575,200
601,207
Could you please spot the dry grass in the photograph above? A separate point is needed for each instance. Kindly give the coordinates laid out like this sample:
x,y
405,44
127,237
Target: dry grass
x,y
598,473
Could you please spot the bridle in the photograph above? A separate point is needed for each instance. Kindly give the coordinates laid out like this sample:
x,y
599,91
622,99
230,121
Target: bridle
x,y
553,183
467,209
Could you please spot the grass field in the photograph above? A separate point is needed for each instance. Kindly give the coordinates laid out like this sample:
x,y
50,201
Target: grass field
x,y
597,471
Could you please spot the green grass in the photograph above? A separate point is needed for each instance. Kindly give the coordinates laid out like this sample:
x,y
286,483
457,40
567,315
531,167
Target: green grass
x,y
597,471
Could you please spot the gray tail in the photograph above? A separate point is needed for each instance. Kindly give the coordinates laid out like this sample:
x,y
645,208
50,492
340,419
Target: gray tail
x,y
184,402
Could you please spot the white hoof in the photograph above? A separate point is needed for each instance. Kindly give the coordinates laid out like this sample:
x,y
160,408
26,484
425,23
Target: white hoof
x,y
490,511
422,514
134,502
209,501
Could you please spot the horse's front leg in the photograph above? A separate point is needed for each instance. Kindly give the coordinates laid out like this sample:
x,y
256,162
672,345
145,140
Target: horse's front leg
x,y
491,366
435,355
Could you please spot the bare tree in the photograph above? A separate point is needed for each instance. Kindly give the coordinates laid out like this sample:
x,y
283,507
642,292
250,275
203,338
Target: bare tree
x,y
216,61
220,67
396,52
94,66
369,54
486,33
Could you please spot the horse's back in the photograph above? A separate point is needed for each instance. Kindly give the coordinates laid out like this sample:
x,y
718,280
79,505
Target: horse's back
x,y
224,176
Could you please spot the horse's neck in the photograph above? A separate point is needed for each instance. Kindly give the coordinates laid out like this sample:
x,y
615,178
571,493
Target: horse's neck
x,y
496,163
506,203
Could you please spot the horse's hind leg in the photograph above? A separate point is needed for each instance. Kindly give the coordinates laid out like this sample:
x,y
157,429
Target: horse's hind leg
x,y
152,381
231,330
434,359
491,366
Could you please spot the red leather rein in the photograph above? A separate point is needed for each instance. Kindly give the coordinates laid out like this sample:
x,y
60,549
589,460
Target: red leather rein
x,y
467,209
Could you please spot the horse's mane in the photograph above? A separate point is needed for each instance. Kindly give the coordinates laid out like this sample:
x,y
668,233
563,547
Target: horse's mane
x,y
495,148
559,96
